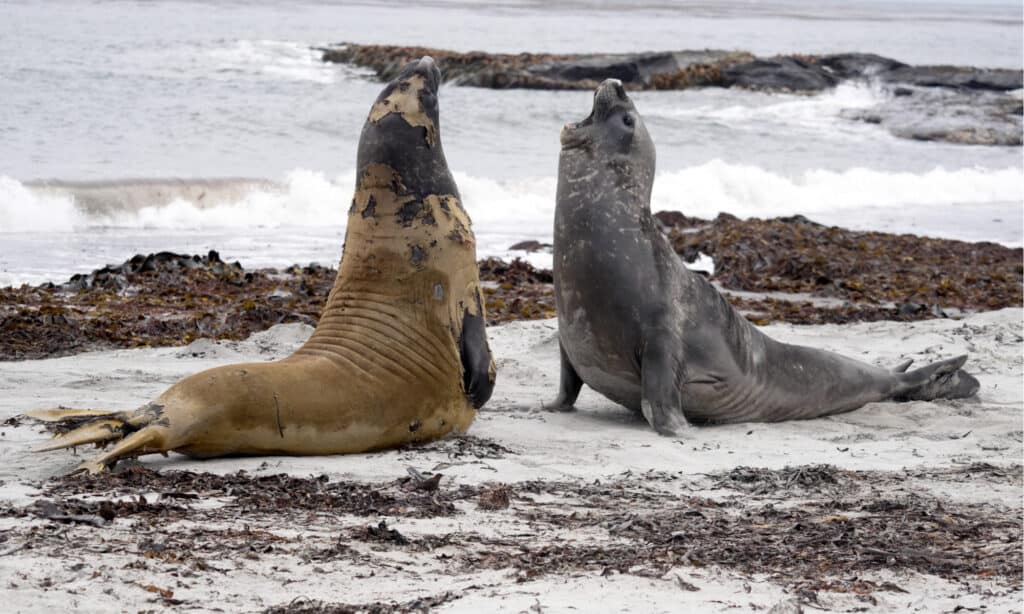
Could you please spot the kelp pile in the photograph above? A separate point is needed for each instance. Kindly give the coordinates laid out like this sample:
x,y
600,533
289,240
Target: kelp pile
x,y
876,275
814,274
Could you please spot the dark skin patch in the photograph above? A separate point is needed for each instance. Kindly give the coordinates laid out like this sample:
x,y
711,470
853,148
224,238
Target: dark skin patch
x,y
370,209
407,214
416,255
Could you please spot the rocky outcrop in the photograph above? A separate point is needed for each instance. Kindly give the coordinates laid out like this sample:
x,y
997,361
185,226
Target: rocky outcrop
x,y
961,77
670,69
955,104
659,70
780,73
959,116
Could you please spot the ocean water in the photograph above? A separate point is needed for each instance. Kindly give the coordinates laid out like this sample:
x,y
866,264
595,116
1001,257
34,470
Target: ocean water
x,y
130,127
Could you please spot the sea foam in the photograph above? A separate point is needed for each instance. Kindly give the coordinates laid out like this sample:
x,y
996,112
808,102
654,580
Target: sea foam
x,y
311,198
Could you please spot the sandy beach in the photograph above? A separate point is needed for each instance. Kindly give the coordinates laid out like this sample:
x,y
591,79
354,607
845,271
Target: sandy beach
x,y
894,507
178,180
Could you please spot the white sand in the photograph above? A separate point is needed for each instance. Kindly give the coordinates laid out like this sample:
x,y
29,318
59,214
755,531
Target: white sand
x,y
600,441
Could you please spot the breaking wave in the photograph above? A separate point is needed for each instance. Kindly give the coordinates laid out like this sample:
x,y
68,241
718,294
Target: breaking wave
x,y
287,60
823,109
749,191
523,208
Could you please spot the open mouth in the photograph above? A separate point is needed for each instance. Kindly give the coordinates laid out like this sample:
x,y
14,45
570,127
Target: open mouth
x,y
574,135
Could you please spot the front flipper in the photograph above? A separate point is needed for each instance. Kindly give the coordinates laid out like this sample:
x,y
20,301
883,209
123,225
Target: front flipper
x,y
661,400
477,366
569,384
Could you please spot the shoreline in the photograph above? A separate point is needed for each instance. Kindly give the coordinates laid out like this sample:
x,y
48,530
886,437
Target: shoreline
x,y
778,270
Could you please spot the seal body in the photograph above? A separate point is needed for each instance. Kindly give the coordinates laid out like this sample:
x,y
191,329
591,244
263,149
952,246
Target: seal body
x,y
400,352
640,328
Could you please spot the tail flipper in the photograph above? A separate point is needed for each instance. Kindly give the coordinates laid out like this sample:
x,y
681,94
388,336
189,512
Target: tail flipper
x,y
99,431
133,445
940,380
133,432
63,414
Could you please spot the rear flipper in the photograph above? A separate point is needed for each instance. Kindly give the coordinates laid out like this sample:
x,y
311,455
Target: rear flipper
x,y
940,380
135,433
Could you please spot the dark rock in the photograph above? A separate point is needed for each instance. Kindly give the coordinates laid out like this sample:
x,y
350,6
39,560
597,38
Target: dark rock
x,y
149,264
716,68
675,219
909,309
632,68
780,73
800,220
538,70
961,116
530,246
665,70
992,79
858,65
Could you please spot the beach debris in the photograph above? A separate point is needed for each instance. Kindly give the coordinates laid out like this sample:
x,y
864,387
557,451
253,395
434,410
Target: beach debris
x,y
305,605
760,481
810,541
420,481
787,606
383,533
495,498
686,586
50,511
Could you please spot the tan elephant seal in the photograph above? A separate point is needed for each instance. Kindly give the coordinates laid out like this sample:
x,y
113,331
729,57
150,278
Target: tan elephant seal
x,y
400,352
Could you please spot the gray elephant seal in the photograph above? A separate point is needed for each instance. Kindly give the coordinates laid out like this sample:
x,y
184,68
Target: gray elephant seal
x,y
638,327
400,353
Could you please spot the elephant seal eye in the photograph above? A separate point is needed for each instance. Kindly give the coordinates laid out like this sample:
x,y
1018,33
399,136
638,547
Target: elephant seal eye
x,y
628,120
